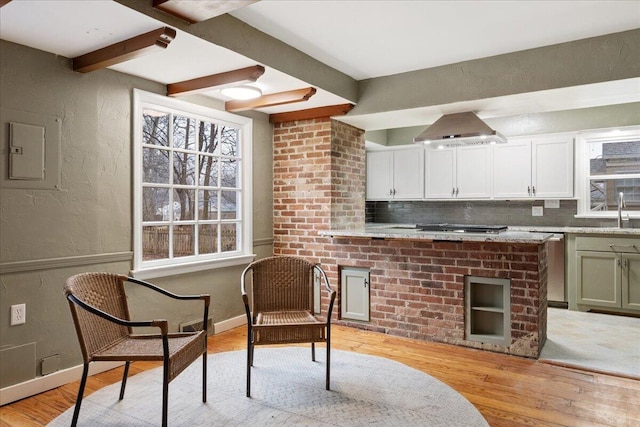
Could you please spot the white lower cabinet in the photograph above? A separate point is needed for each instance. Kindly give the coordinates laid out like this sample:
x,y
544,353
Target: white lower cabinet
x,y
458,172
534,167
354,293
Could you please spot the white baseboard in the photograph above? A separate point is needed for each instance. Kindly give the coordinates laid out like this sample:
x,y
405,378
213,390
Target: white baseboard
x,y
48,382
225,325
41,384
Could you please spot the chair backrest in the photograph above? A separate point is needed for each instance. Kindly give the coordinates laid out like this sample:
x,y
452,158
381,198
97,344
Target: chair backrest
x,y
104,291
282,283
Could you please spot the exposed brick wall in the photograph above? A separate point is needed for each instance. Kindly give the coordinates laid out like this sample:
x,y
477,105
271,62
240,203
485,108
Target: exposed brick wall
x,y
417,288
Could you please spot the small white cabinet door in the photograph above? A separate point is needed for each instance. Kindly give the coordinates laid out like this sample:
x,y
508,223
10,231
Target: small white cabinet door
x,y
354,293
379,175
552,165
512,169
408,173
473,172
440,173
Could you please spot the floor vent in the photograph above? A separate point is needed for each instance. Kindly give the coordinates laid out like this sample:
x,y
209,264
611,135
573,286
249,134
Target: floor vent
x,y
196,325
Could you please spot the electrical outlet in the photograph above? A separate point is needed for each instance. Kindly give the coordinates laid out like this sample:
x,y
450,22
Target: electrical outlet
x,y
18,314
537,211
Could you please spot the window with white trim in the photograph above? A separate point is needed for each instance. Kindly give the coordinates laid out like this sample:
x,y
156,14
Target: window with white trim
x,y
192,195
609,164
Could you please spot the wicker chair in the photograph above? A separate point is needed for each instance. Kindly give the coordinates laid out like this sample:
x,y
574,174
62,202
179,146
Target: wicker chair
x,y
100,313
282,310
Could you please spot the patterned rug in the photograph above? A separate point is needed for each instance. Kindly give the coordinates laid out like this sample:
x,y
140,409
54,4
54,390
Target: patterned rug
x,y
287,390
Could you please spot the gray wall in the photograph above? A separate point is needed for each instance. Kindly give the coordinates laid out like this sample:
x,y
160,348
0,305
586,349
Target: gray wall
x,y
57,233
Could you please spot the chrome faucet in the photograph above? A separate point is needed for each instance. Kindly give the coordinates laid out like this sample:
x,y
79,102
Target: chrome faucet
x,y
621,205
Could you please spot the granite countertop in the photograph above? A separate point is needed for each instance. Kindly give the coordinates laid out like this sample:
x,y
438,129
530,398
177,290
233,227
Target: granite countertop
x,y
515,234
409,232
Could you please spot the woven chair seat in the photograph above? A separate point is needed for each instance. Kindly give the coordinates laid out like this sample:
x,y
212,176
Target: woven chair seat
x,y
183,350
302,318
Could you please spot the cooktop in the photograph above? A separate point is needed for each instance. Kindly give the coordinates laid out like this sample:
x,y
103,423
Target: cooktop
x,y
462,228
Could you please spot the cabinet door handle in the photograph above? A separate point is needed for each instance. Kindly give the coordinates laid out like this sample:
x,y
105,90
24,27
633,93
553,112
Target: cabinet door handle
x,y
534,190
394,191
366,282
453,191
618,262
529,190
457,189
624,263
391,191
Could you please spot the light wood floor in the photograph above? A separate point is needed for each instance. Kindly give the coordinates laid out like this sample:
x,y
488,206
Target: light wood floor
x,y
507,390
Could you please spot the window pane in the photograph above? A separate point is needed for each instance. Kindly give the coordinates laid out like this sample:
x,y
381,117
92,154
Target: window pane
x,y
208,171
184,132
155,204
229,141
229,173
183,204
184,168
208,238
208,204
229,205
183,240
607,158
604,194
155,242
155,128
208,137
229,237
156,165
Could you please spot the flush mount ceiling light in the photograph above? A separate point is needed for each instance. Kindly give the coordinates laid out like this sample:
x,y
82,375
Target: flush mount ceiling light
x,y
242,92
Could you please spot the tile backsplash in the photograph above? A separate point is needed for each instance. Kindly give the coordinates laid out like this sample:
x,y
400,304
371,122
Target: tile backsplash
x,y
498,212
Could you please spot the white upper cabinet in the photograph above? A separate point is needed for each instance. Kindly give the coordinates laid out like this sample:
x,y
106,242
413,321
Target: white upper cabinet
x,y
534,167
395,174
462,173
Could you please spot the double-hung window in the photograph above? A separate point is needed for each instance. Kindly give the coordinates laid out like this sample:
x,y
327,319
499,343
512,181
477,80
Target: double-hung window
x,y
609,165
192,195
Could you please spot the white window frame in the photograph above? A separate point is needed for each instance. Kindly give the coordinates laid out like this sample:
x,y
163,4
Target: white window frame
x,y
631,133
181,265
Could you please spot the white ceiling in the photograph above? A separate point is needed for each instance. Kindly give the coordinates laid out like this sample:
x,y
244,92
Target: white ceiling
x,y
364,39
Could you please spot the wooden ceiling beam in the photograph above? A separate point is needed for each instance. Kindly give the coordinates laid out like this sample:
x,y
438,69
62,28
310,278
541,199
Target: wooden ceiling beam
x,y
311,113
271,100
125,50
201,84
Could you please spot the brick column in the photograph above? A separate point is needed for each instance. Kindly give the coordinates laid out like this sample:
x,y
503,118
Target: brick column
x,y
318,184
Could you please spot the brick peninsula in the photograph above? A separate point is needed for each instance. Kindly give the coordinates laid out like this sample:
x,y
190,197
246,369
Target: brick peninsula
x,y
417,281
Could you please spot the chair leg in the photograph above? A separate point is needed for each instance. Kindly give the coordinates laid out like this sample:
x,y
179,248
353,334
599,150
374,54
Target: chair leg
x,y
83,383
249,364
165,394
313,351
328,361
204,376
124,379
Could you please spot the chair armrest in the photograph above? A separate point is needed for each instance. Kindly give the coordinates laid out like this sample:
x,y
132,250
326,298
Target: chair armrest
x,y
205,297
161,323
332,293
245,297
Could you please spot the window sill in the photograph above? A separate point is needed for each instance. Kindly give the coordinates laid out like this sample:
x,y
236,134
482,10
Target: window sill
x,y
177,269
609,215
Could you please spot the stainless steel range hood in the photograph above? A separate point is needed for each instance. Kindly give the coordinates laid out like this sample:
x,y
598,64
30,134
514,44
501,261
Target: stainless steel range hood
x,y
458,129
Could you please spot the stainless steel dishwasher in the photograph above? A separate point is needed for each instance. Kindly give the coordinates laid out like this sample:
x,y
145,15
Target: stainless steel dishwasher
x,y
556,289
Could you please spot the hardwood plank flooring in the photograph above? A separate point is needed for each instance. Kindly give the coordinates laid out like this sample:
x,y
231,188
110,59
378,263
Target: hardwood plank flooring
x,y
507,390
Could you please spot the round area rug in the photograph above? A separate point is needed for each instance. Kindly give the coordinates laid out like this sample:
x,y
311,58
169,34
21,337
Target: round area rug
x,y
287,389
